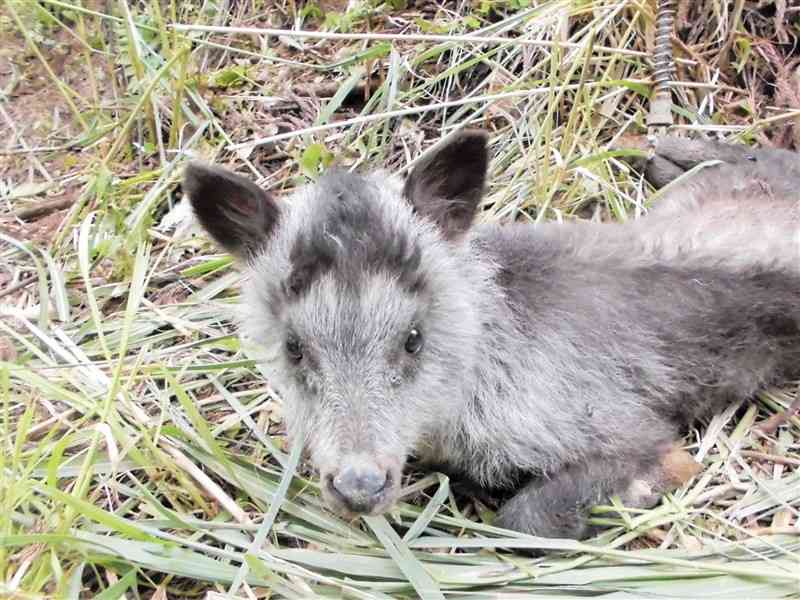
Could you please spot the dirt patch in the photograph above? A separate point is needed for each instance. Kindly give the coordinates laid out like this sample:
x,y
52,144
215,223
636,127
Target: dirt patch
x,y
37,125
7,351
37,173
40,231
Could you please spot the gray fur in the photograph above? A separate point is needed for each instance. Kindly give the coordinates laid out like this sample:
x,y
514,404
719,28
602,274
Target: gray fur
x,y
559,361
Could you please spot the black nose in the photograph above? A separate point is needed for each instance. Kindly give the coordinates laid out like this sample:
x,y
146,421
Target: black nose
x,y
359,486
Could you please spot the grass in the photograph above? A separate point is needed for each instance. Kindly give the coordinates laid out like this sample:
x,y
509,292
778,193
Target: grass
x,y
142,453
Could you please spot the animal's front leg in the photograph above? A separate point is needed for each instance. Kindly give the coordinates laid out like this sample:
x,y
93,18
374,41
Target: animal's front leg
x,y
559,506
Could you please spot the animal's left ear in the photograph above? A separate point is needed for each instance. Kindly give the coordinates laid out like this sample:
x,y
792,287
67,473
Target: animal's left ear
x,y
447,186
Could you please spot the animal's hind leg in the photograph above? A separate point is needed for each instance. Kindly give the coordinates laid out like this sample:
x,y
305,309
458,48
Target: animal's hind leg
x,y
745,176
559,506
674,156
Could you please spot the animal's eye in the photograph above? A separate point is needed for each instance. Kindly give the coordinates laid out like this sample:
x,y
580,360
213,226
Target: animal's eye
x,y
414,341
294,349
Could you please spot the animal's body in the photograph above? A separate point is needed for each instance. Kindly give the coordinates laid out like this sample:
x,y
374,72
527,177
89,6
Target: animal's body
x,y
555,362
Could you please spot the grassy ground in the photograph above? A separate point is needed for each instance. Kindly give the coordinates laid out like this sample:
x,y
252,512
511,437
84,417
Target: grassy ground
x,y
141,454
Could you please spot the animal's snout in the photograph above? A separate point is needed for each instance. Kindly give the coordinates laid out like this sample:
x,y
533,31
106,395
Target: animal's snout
x,y
360,485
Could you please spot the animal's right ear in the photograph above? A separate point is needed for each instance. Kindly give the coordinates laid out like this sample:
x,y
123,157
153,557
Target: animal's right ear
x,y
237,213
447,186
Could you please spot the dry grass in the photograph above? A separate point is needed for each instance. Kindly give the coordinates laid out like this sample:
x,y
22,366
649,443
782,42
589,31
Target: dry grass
x,y
142,453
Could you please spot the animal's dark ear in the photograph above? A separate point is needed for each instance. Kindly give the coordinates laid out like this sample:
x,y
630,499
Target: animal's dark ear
x,y
447,186
237,213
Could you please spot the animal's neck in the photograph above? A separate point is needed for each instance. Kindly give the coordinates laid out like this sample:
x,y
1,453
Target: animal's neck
x,y
488,388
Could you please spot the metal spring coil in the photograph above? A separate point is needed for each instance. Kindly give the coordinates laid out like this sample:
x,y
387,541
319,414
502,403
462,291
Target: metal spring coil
x,y
662,55
660,114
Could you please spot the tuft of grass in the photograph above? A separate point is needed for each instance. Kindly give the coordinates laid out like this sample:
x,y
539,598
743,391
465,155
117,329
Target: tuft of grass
x,y
142,453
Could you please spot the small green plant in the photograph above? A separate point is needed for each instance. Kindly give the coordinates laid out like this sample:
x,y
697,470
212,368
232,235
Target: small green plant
x,y
315,159
484,7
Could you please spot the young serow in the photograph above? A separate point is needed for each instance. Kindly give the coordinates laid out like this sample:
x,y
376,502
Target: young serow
x,y
555,364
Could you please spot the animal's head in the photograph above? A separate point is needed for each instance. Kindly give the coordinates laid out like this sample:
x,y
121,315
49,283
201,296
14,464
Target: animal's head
x,y
359,294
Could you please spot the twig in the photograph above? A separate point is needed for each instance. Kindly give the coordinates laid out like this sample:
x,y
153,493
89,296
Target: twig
x,y
327,89
761,531
404,112
18,286
783,460
41,209
59,420
411,37
770,425
36,150
718,492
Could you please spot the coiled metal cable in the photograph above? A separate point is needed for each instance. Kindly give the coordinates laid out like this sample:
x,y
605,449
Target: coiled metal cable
x,y
660,115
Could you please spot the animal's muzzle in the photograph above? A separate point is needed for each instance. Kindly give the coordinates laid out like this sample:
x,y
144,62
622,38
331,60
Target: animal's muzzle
x,y
360,485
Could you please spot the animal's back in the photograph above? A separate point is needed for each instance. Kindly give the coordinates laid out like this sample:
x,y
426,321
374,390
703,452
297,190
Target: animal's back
x,y
687,332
